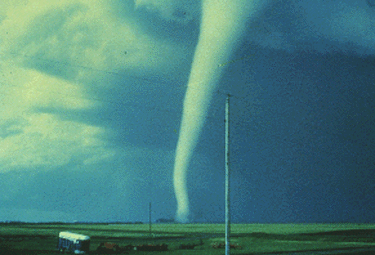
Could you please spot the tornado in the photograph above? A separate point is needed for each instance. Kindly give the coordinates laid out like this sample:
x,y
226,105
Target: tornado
x,y
221,29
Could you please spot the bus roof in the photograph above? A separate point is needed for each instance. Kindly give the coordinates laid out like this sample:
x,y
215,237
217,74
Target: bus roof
x,y
73,236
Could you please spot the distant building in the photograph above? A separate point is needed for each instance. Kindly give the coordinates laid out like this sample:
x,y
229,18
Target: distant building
x,y
162,220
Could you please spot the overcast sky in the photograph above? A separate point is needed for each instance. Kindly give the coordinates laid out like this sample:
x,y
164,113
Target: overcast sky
x,y
92,93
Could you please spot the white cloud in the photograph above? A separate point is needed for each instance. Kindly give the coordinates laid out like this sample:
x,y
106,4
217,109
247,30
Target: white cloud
x,y
30,137
26,89
49,51
83,33
46,140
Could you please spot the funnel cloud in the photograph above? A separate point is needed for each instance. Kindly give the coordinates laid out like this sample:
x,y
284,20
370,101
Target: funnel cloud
x,y
222,25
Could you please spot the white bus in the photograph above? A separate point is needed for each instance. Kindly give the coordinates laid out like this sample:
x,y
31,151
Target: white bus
x,y
72,242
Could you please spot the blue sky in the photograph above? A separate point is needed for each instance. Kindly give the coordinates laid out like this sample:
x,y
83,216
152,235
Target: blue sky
x,y
92,101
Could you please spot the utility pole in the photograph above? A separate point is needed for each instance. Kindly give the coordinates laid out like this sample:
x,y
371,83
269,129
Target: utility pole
x,y
149,219
227,212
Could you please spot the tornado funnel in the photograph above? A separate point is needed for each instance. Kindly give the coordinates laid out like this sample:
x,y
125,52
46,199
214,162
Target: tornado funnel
x,y
221,28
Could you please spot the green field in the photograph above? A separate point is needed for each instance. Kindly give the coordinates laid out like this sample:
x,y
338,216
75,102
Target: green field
x,y
248,238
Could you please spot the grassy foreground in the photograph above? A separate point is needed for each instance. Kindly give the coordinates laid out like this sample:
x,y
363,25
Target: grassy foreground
x,y
248,238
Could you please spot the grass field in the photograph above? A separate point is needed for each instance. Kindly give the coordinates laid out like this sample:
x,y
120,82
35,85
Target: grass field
x,y
249,238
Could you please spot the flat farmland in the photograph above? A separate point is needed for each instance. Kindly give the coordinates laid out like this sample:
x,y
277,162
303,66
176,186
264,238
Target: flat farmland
x,y
200,238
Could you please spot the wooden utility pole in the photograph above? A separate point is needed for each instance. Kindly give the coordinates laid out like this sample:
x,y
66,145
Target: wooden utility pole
x,y
227,211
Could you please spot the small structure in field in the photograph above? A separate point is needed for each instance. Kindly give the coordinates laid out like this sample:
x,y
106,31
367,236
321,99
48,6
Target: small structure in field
x,y
219,245
108,247
151,247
